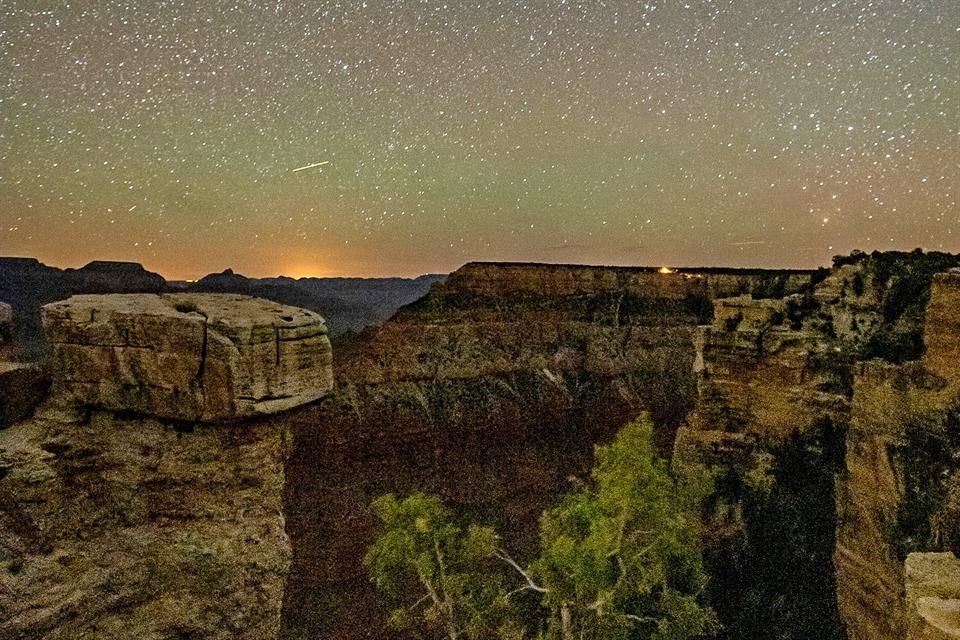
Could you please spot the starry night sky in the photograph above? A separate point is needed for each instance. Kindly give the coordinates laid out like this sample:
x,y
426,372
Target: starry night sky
x,y
720,132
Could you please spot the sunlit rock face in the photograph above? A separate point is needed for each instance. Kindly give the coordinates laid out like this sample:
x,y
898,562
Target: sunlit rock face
x,y
192,357
933,596
123,516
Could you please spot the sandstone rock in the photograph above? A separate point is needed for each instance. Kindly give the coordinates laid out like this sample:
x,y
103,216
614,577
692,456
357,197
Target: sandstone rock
x,y
118,528
115,524
188,357
933,596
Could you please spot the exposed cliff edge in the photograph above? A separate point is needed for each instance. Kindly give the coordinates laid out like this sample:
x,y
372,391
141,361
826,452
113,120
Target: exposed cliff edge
x,y
899,449
144,500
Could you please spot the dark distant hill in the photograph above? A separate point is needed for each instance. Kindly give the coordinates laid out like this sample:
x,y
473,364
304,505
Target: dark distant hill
x,y
27,284
348,304
381,297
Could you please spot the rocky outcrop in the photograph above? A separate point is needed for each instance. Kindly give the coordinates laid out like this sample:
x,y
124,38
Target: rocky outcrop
x,y
190,357
138,520
783,376
932,596
763,372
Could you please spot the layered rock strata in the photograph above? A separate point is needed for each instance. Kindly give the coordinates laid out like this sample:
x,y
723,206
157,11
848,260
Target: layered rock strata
x,y
191,357
122,517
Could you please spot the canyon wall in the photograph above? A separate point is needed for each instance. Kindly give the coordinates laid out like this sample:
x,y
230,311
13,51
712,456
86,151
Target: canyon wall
x,y
797,378
489,392
150,497
144,499
891,408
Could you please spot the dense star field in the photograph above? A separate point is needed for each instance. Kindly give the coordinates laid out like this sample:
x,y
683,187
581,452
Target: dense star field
x,y
734,132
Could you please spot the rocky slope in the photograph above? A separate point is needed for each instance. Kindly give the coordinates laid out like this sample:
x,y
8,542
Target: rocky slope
x,y
126,512
932,596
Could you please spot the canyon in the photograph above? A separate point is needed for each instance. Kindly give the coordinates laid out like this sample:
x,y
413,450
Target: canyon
x,y
143,496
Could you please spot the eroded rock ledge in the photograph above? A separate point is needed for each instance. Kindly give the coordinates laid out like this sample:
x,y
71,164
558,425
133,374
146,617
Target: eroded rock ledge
x,y
191,357
144,500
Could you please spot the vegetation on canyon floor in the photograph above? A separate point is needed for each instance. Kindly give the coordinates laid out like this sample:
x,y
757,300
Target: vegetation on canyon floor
x,y
620,557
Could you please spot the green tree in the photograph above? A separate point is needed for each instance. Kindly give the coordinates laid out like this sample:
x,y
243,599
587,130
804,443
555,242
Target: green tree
x,y
422,551
620,558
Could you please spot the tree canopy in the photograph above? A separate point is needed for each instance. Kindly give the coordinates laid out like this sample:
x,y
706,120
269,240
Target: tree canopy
x,y
619,557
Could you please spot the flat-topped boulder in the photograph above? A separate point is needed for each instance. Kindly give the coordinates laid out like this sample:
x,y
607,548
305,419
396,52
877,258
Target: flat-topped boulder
x,y
190,357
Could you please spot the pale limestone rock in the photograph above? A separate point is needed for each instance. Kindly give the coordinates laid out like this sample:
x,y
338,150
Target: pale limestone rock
x,y
191,357
933,596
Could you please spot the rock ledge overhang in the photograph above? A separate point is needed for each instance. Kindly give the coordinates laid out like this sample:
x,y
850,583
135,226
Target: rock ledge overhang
x,y
189,357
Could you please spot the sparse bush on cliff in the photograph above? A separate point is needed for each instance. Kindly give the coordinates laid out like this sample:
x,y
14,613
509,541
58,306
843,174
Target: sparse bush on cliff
x,y
772,285
187,306
620,558
901,282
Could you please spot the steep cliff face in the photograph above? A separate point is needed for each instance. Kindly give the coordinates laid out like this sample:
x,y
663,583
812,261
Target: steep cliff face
x,y
121,518
489,392
888,455
788,389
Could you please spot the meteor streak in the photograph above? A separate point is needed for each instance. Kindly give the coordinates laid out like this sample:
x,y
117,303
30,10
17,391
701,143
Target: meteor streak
x,y
311,166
